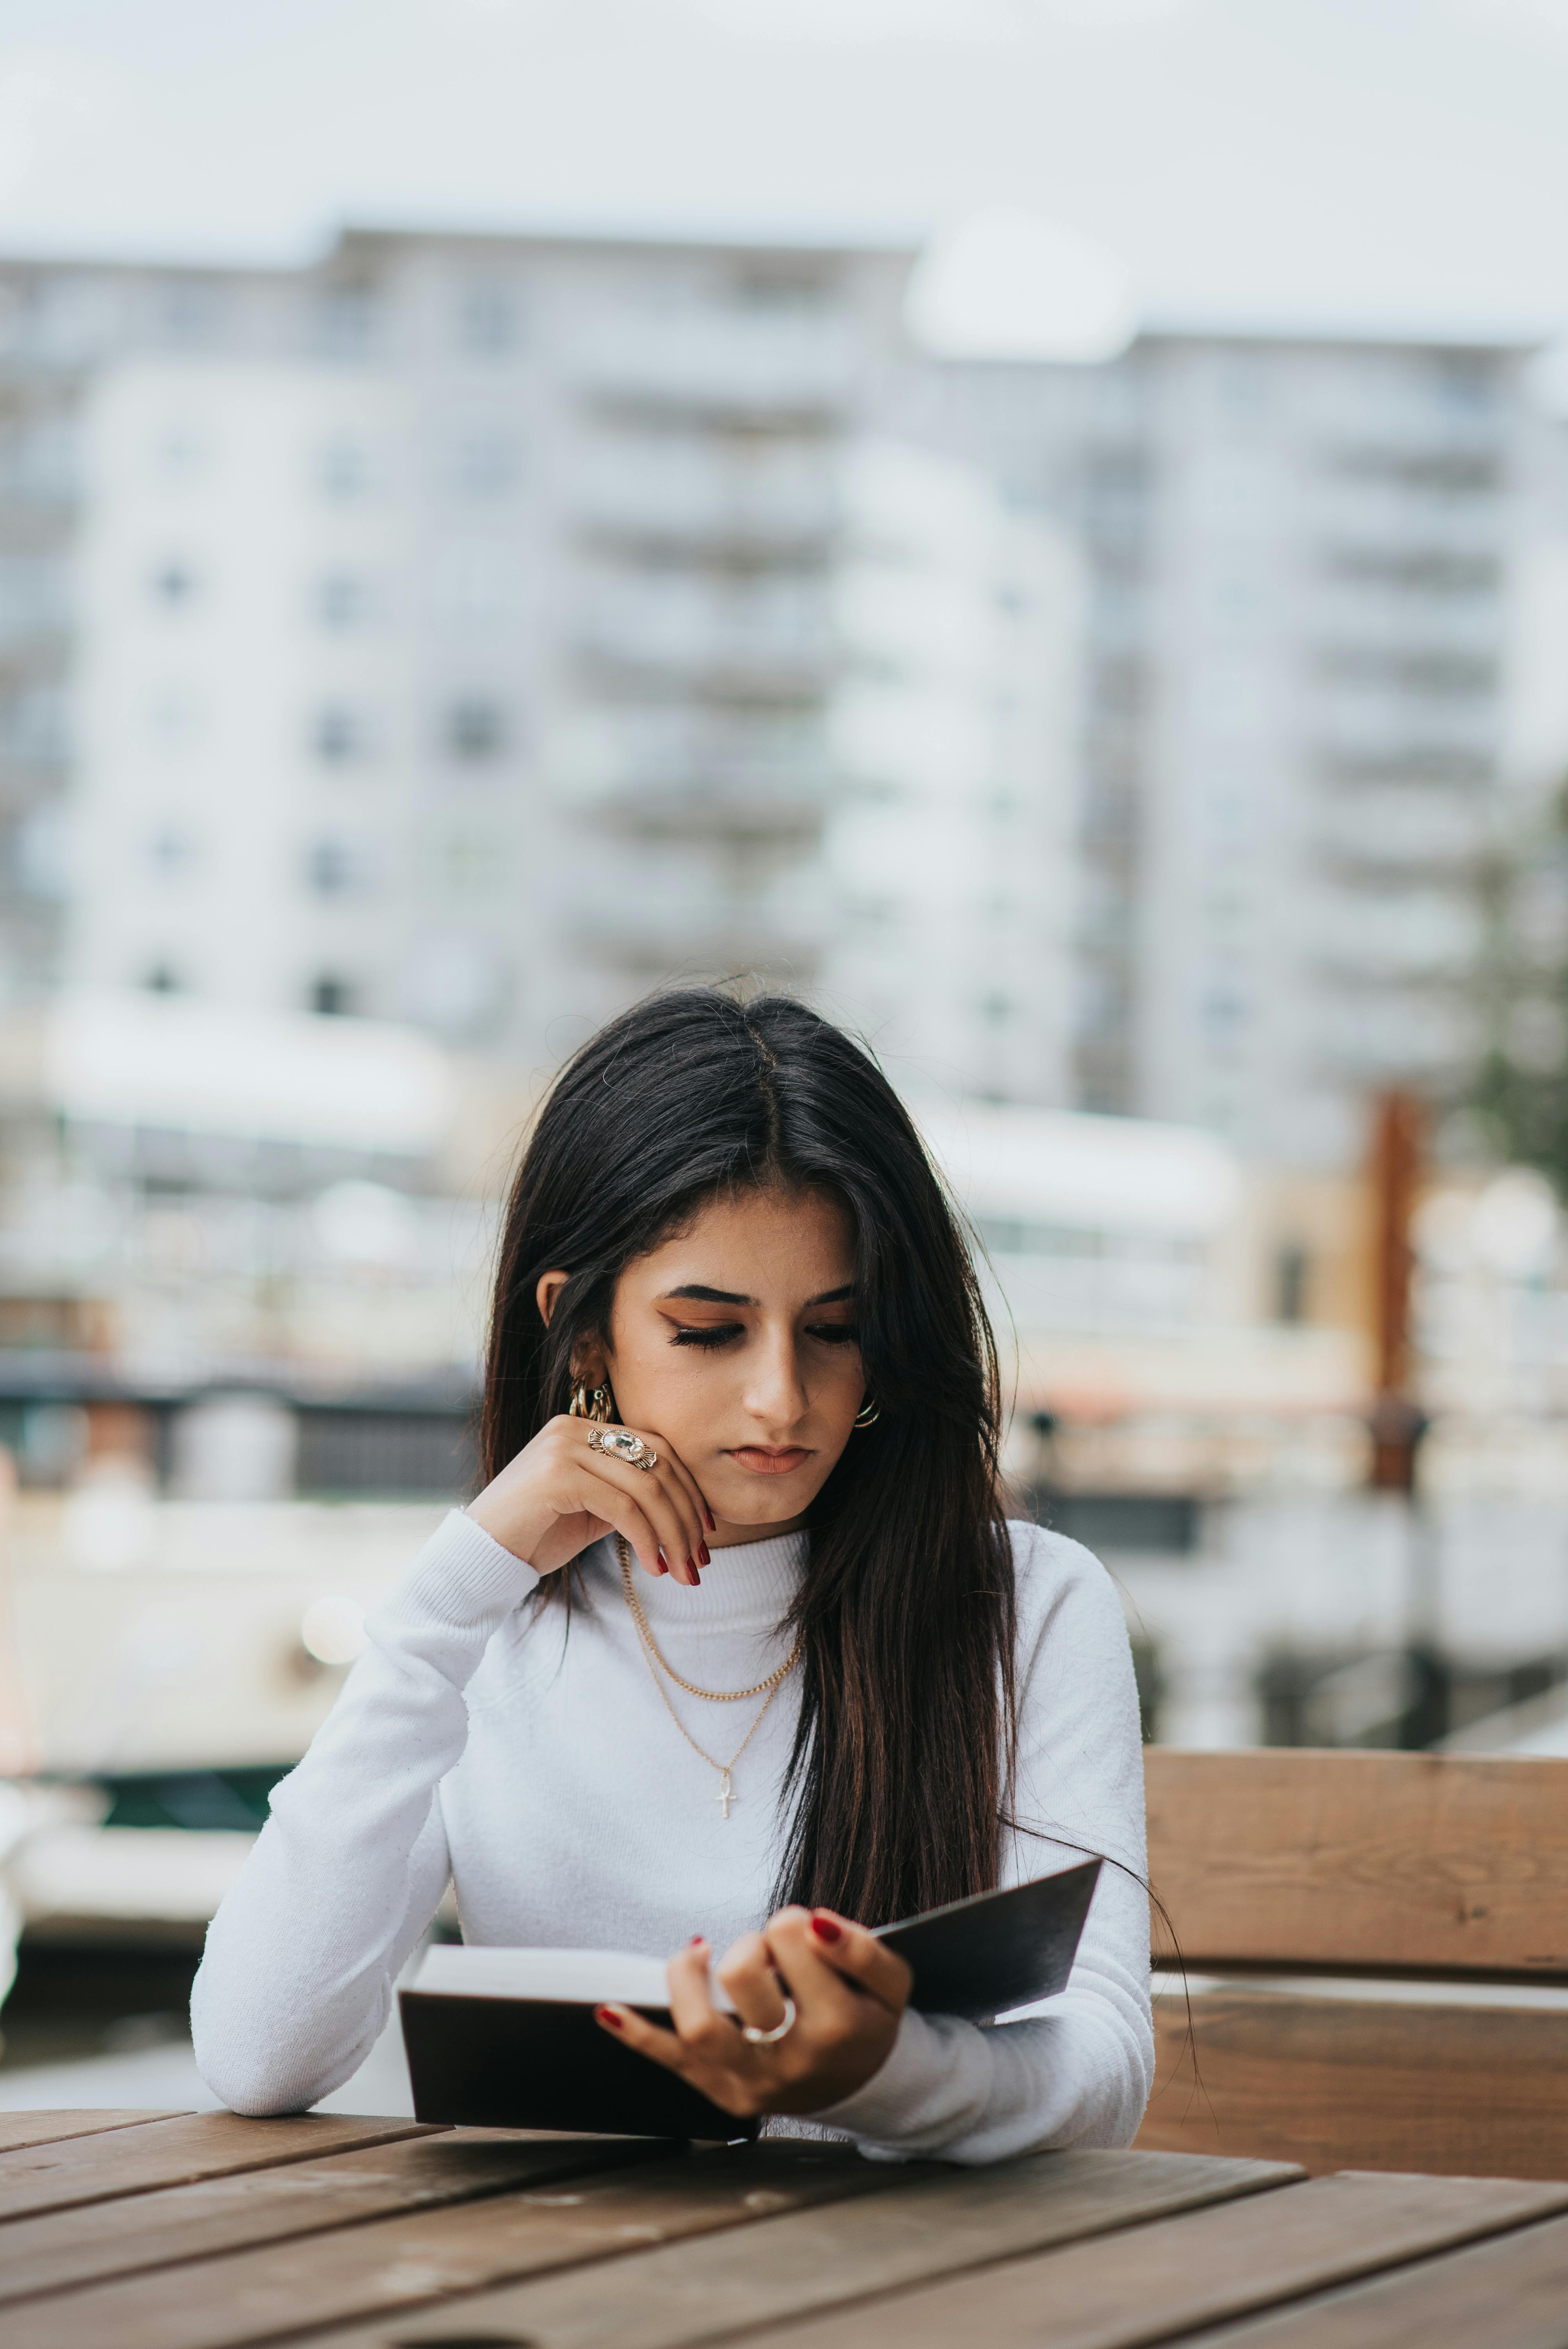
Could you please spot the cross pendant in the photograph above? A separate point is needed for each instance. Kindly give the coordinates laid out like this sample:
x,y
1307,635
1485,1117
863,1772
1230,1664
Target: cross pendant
x,y
724,1795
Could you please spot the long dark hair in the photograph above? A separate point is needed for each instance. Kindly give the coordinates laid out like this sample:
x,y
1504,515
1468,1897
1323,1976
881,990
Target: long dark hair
x,y
898,1782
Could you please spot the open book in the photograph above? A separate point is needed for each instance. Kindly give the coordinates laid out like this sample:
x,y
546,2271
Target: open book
x,y
506,2038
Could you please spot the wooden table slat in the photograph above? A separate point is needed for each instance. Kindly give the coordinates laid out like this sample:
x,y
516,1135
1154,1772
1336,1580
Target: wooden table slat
x,y
149,2154
410,2261
921,2226
19,2129
1508,2294
63,2249
212,2231
1163,2281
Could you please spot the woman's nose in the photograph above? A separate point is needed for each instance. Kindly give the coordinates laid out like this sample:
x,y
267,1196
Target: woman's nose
x,y
777,1394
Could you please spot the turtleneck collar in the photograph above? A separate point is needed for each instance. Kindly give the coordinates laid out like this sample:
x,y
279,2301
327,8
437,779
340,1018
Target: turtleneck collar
x,y
749,1587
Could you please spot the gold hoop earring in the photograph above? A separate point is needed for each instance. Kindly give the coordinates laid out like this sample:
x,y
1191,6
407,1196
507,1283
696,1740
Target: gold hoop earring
x,y
588,1403
866,1415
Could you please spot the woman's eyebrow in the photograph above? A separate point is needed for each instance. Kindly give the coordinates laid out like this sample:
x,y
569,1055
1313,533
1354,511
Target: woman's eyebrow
x,y
701,1295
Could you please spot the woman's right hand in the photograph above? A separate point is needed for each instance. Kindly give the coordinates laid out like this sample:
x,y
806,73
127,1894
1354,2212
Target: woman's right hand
x,y
557,1496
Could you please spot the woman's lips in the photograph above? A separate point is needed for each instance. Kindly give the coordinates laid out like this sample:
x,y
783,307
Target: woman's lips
x,y
763,1462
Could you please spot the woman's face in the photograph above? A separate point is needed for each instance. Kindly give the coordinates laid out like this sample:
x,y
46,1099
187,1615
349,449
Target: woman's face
x,y
736,1343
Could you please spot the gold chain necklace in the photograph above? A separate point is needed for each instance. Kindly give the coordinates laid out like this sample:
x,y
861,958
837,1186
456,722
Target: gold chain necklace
x,y
656,1664
645,1632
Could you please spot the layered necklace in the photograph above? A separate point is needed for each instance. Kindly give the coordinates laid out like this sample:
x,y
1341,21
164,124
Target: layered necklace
x,y
662,1671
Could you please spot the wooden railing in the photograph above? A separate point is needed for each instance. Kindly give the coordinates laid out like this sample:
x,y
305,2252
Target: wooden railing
x,y
1377,1946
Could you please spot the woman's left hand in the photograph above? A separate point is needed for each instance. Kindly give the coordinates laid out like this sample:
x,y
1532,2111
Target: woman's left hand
x,y
849,1992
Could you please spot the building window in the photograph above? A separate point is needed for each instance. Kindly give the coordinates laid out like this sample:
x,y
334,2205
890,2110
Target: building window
x,y
476,729
192,312
484,462
344,471
472,865
486,321
341,735
332,868
174,584
178,453
473,586
349,319
163,979
332,997
171,853
343,600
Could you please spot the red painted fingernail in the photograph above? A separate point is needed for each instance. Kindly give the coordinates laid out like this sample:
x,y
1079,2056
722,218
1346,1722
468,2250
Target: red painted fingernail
x,y
609,2018
826,1929
705,1559
696,1942
712,1521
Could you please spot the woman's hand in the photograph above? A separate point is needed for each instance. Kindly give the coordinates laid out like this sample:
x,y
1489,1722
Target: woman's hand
x,y
849,1992
557,1496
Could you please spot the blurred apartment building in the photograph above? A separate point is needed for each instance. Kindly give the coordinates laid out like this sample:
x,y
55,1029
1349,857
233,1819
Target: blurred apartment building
x,y
477,634
475,631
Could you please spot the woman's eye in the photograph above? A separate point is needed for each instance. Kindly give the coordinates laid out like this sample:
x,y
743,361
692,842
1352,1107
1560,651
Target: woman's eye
x,y
720,1334
835,1334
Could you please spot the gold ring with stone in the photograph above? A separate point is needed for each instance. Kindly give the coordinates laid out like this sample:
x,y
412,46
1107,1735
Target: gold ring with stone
x,y
620,1444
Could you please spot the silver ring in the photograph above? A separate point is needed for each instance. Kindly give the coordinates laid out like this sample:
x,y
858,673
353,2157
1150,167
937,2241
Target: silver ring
x,y
620,1444
756,2038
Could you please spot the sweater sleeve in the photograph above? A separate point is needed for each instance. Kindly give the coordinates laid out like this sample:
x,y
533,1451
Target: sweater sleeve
x,y
297,1981
1076,2070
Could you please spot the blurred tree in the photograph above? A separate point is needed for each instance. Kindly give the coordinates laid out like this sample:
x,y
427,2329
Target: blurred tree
x,y
1521,1090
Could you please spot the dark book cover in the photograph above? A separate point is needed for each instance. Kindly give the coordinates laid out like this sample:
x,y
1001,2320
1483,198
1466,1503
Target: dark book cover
x,y
522,2061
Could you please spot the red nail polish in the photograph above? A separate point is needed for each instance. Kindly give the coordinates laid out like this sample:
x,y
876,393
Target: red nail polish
x,y
696,1942
611,2020
826,1929
711,1519
705,1559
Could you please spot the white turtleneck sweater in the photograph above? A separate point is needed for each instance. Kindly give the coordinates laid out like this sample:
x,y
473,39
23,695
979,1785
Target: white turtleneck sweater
x,y
531,1762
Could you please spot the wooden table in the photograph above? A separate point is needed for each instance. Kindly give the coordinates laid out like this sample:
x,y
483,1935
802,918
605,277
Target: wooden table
x,y
168,2230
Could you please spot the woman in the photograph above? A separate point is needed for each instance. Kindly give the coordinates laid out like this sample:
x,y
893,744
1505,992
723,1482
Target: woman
x,y
735,1649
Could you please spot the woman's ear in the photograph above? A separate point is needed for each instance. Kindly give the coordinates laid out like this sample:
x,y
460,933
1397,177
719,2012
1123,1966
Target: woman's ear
x,y
587,1365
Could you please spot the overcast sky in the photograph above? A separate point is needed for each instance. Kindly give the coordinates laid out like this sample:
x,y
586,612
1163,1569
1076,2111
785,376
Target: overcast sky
x,y
1389,164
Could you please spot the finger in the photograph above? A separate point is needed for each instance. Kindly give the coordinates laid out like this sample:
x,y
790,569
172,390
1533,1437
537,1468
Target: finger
x,y
721,2087
858,1956
823,1995
695,2017
635,2029
664,1501
600,1496
689,1484
676,1483
642,1489
747,1974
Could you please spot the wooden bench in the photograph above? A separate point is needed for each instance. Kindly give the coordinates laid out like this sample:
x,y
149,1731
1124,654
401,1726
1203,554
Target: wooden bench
x,y
1377,1951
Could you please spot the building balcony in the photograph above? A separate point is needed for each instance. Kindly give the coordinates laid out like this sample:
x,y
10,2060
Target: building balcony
x,y
743,505
646,935
778,638
1414,833
1397,1035
759,368
1381,939
679,774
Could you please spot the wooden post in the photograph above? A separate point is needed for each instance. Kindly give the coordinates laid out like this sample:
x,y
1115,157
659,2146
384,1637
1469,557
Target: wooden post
x,y
1398,1425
